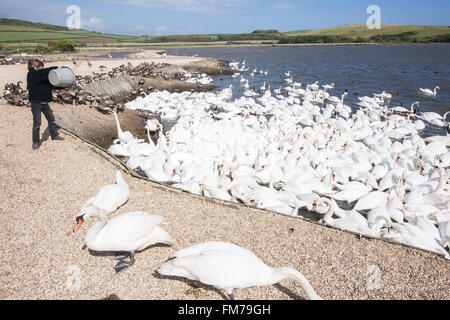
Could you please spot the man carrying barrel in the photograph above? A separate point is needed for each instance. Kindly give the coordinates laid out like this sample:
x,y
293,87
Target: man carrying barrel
x,y
39,95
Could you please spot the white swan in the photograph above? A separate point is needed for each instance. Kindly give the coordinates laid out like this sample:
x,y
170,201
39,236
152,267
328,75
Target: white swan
x,y
428,92
443,222
107,200
328,86
371,200
403,110
214,192
439,198
153,125
227,266
434,118
128,232
124,137
350,221
419,232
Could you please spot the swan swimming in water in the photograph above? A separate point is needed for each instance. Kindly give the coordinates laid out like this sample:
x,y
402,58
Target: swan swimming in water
x,y
428,92
227,266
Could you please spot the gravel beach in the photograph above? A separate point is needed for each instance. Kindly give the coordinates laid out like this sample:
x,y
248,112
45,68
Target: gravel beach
x,y
42,191
41,258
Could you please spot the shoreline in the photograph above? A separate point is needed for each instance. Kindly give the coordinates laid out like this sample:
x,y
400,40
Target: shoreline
x,y
17,72
164,46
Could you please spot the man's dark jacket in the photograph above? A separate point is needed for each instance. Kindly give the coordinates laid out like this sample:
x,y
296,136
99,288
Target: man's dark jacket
x,y
39,88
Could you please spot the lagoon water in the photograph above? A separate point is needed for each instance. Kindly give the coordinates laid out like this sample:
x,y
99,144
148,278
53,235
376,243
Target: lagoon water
x,y
397,69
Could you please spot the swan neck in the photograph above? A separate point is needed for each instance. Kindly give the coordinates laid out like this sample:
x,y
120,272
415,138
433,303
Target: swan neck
x,y
330,211
283,273
93,231
378,221
119,178
440,186
119,130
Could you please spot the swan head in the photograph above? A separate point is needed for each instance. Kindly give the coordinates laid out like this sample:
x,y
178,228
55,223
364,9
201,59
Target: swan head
x,y
79,221
438,160
382,223
321,205
415,107
87,212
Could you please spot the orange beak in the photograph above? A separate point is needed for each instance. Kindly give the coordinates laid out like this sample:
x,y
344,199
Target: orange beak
x,y
79,223
314,207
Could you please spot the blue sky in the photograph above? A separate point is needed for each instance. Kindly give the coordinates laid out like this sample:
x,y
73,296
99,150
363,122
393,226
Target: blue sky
x,y
163,17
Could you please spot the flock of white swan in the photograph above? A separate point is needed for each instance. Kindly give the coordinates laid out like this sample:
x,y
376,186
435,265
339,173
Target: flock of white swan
x,y
297,147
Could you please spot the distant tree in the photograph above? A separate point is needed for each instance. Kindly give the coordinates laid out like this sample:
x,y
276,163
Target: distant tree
x,y
66,46
42,49
266,31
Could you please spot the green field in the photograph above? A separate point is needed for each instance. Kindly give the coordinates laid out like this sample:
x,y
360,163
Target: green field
x,y
360,30
22,35
12,36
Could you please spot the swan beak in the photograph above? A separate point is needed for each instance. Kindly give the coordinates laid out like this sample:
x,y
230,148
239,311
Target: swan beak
x,y
79,223
314,207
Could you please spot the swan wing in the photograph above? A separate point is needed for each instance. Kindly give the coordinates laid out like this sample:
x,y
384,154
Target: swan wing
x,y
88,202
371,200
210,245
238,268
111,197
126,232
350,194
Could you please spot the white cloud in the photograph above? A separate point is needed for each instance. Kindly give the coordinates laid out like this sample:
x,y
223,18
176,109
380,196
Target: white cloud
x,y
217,6
284,5
94,24
140,27
161,30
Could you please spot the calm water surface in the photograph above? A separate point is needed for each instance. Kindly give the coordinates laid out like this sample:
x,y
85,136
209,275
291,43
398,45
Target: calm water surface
x,y
398,69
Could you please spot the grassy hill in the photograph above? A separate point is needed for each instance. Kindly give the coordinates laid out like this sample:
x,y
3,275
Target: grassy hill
x,y
20,35
12,30
387,33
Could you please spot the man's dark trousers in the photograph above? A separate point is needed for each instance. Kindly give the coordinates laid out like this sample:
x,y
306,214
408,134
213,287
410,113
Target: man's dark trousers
x,y
36,109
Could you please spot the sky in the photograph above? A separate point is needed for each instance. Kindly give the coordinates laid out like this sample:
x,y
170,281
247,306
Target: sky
x,y
168,17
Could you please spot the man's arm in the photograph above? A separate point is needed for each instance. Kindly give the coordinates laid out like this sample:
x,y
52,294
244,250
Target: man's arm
x,y
42,75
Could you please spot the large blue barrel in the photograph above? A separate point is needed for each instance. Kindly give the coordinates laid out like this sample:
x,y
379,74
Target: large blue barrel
x,y
63,77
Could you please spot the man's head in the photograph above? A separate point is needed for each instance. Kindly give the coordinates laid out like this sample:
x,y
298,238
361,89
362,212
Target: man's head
x,y
35,64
